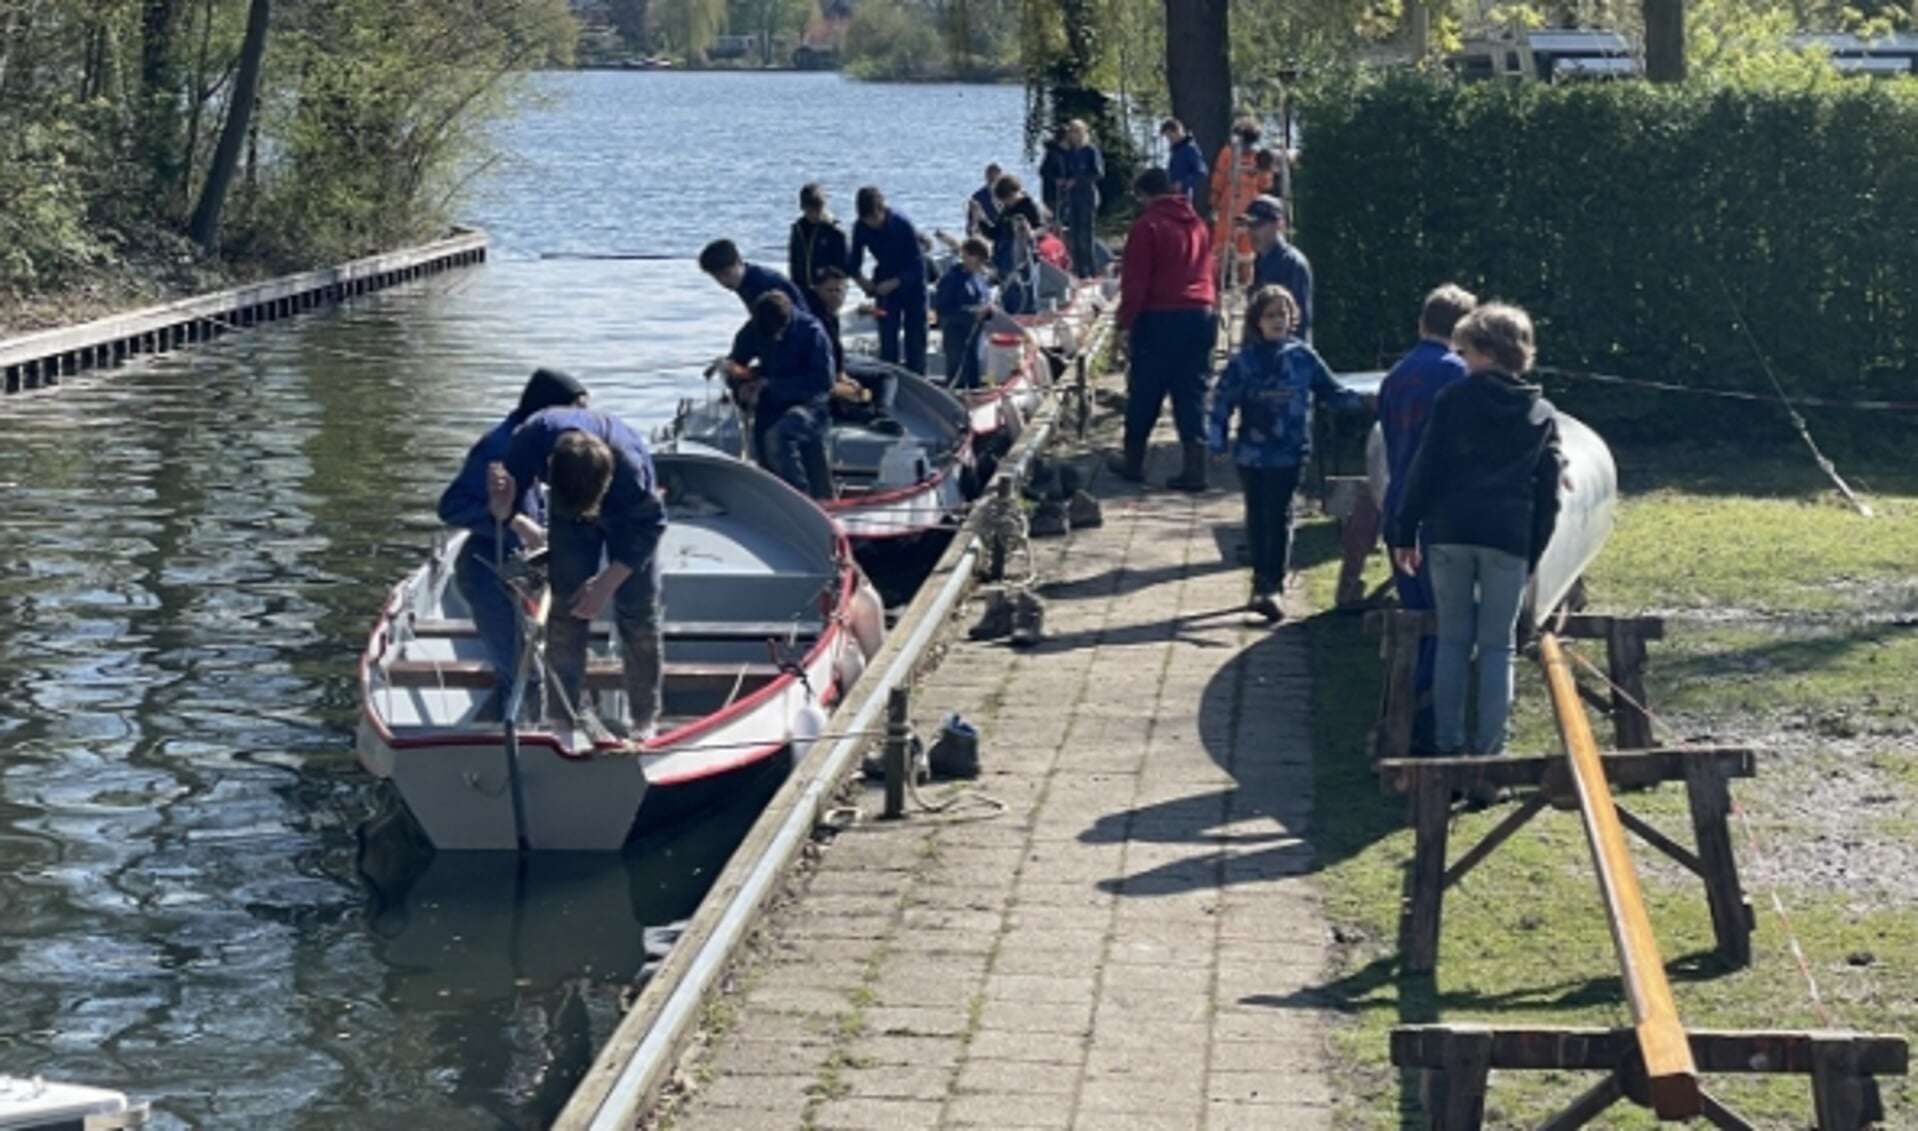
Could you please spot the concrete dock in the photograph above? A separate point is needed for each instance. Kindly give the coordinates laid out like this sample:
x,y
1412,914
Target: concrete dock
x,y
1131,943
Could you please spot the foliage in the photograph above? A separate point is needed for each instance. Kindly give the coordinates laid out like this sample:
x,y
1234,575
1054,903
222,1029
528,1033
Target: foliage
x,y
968,40
1697,235
109,111
691,26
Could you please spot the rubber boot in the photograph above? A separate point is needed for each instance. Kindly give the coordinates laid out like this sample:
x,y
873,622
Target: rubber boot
x,y
1129,466
1191,475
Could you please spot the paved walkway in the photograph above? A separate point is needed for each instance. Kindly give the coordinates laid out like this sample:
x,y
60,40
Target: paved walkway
x,y
1118,950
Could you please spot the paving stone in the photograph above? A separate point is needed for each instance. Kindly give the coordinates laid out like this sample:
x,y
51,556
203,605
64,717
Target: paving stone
x,y
1007,1112
1017,1077
863,1114
1044,1048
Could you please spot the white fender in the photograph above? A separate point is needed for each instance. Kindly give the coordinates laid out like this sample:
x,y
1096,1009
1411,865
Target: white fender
x,y
867,619
808,724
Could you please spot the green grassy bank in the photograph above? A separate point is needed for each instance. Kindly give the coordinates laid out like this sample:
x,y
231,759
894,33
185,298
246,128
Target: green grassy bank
x,y
1792,627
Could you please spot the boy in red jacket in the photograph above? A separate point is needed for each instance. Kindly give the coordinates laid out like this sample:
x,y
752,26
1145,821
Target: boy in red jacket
x,y
1168,326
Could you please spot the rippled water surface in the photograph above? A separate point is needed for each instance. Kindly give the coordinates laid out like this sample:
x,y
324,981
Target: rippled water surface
x,y
192,549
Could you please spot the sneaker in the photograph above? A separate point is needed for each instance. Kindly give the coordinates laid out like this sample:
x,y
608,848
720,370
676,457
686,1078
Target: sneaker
x,y
1083,511
1125,469
1028,620
886,426
1048,520
996,621
1265,606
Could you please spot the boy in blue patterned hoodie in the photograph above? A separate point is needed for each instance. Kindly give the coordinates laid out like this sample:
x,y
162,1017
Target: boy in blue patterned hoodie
x,y
1270,383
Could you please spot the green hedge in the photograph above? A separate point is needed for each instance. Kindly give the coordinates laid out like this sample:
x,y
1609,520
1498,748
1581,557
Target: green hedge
x,y
1636,223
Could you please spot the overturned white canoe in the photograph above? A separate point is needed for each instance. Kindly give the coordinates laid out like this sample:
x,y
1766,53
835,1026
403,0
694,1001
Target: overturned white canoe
x,y
766,620
1587,502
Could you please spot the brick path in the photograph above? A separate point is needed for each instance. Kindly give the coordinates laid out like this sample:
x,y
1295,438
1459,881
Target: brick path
x,y
1118,950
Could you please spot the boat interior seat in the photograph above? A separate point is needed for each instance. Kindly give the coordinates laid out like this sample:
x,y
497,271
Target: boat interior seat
x,y
601,675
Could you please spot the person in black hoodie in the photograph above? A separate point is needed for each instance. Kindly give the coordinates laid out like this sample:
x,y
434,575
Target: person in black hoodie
x,y
817,244
1482,495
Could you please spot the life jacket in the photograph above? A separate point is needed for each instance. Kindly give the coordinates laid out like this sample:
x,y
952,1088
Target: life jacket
x,y
1052,250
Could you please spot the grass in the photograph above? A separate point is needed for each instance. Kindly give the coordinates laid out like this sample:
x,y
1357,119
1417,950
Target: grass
x,y
1791,628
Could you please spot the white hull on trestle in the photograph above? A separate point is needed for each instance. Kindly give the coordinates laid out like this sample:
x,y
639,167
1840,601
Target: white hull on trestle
x,y
1587,502
766,621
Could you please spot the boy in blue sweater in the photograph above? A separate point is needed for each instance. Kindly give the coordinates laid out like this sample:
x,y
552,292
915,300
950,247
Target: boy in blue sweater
x,y
789,400
1405,404
898,277
1270,383
488,543
604,532
963,302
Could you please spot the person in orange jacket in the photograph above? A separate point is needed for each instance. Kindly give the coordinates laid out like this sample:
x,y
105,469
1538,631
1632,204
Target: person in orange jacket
x,y
1236,180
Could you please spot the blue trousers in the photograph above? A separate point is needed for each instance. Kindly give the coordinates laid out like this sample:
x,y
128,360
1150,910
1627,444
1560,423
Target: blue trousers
x,y
904,312
1081,217
792,445
1477,591
961,347
478,582
576,550
1415,595
1171,356
1268,523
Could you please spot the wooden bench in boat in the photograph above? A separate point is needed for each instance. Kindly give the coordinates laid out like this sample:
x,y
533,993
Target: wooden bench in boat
x,y
671,630
470,675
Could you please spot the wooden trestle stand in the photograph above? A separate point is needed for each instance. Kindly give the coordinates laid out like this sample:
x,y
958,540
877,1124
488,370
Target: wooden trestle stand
x,y
1656,1063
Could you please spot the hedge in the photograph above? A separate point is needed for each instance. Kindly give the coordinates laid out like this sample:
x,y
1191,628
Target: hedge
x,y
1639,224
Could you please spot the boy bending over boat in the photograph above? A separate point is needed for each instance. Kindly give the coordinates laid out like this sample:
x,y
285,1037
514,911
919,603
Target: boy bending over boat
x,y
795,380
476,573
603,505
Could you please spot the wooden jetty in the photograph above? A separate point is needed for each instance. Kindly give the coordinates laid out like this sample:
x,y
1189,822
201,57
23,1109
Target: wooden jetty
x,y
41,359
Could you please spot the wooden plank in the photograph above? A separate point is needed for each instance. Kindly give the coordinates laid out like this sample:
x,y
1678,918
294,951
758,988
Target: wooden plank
x,y
1650,835
1716,1051
1589,1105
1514,821
1454,1094
1398,703
1625,661
680,629
1588,627
1622,767
1669,1069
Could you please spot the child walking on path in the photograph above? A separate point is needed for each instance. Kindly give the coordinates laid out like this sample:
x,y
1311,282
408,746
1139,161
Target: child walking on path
x,y
1270,383
1483,493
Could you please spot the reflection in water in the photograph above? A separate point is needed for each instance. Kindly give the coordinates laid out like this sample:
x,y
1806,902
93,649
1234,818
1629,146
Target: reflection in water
x,y
191,551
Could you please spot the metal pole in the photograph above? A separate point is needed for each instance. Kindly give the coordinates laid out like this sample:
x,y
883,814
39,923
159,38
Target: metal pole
x,y
898,735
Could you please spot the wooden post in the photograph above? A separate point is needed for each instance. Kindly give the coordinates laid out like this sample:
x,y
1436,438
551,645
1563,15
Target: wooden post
x,y
1425,902
1625,657
898,735
1837,1087
1669,1069
1710,798
1398,703
1454,1096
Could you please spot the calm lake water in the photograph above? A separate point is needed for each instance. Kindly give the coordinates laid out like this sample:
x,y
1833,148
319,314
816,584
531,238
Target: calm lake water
x,y
192,550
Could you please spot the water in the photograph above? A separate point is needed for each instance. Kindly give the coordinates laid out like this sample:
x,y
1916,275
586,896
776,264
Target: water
x,y
192,550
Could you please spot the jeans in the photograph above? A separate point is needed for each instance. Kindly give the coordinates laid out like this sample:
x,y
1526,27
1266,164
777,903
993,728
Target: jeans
x,y
1171,356
904,310
576,549
1081,216
1415,595
475,576
961,347
792,445
1268,523
883,384
1477,591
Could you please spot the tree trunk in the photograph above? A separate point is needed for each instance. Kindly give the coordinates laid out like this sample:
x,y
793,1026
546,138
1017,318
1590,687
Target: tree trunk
x,y
1665,40
1198,69
159,114
205,228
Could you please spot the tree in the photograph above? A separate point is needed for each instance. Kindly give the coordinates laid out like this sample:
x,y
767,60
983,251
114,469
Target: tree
x,y
1665,40
629,20
205,225
159,114
1198,68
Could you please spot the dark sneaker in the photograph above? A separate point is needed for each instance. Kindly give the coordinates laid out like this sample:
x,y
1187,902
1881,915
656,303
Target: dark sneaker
x,y
1048,520
1263,605
955,753
1128,470
1084,512
1028,620
886,426
996,621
